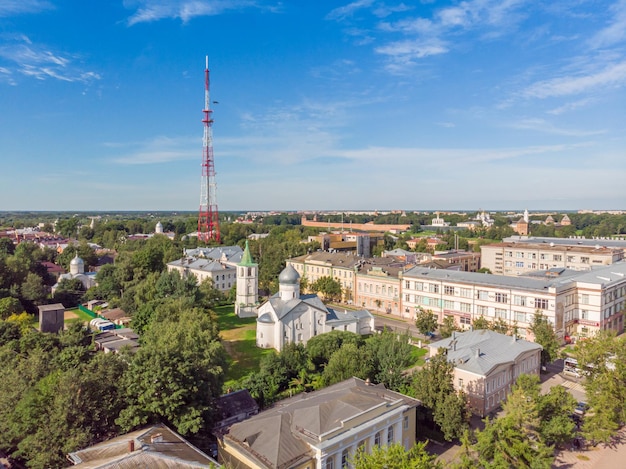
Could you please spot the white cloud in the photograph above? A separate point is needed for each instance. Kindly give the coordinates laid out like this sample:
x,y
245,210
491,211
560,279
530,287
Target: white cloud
x,y
19,7
37,61
158,150
567,107
612,75
543,126
615,32
154,10
343,12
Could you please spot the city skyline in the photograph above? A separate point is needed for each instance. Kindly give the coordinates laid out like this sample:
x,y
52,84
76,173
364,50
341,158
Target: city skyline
x,y
500,105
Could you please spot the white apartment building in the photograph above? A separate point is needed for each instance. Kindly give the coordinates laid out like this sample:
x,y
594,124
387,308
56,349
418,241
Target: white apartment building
x,y
577,303
519,258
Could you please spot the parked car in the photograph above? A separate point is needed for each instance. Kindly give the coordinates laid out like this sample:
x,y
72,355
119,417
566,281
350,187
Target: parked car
x,y
581,408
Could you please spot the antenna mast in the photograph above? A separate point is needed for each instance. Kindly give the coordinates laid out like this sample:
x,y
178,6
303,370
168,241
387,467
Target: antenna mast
x,y
208,217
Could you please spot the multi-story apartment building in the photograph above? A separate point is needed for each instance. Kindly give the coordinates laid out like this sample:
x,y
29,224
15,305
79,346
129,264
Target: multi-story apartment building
x,y
518,258
340,266
576,303
465,260
487,364
321,429
378,288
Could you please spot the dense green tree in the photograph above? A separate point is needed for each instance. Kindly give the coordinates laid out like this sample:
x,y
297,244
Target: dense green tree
x,y
447,327
176,374
328,287
390,356
34,289
395,456
9,306
6,246
347,362
321,347
433,386
545,336
481,323
425,321
555,409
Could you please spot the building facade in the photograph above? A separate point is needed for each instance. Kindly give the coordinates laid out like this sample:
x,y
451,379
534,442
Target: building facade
x,y
578,304
321,429
218,264
519,258
487,364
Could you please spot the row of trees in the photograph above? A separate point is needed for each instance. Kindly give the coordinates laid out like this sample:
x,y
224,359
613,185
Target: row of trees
x,y
328,359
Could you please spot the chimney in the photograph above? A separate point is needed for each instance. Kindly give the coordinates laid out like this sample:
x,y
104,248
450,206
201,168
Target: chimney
x,y
156,438
131,446
514,337
477,353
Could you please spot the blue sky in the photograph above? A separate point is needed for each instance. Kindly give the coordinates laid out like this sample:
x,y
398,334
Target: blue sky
x,y
493,104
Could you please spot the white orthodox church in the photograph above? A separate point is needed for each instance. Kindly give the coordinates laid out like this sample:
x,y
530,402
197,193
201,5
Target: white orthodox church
x,y
289,317
77,271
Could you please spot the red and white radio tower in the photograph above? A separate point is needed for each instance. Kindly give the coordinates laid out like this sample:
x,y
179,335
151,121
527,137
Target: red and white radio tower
x,y
208,217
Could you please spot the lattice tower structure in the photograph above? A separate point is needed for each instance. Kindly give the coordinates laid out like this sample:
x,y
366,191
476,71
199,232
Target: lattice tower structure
x,y
208,216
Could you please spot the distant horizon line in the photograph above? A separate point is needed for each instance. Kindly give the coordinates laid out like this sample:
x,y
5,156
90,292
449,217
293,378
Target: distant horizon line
x,y
314,211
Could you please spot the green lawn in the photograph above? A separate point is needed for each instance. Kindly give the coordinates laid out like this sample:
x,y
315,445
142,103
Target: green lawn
x,y
239,339
417,356
82,316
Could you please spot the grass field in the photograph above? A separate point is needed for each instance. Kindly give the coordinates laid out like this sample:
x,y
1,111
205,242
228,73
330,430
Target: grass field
x,y
239,339
80,315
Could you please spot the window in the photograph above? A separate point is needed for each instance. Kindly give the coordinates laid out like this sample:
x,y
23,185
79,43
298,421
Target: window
x,y
377,439
557,257
500,313
465,321
519,255
519,264
447,304
584,260
345,458
541,303
571,259
519,300
448,290
584,299
482,310
466,292
407,284
502,298
482,295
532,255
330,462
460,383
465,307
433,288
419,286
405,423
508,254
584,314
519,316
390,435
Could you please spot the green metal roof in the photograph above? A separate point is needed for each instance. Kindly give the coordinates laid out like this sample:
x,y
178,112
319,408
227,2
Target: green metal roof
x,y
246,259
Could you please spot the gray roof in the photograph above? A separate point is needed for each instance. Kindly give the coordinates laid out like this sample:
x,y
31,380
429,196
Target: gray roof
x,y
346,316
615,243
480,351
278,437
233,254
281,308
289,276
601,275
205,265
156,447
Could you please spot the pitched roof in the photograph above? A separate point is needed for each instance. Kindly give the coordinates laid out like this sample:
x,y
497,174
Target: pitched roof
x,y
246,258
279,437
480,351
156,446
